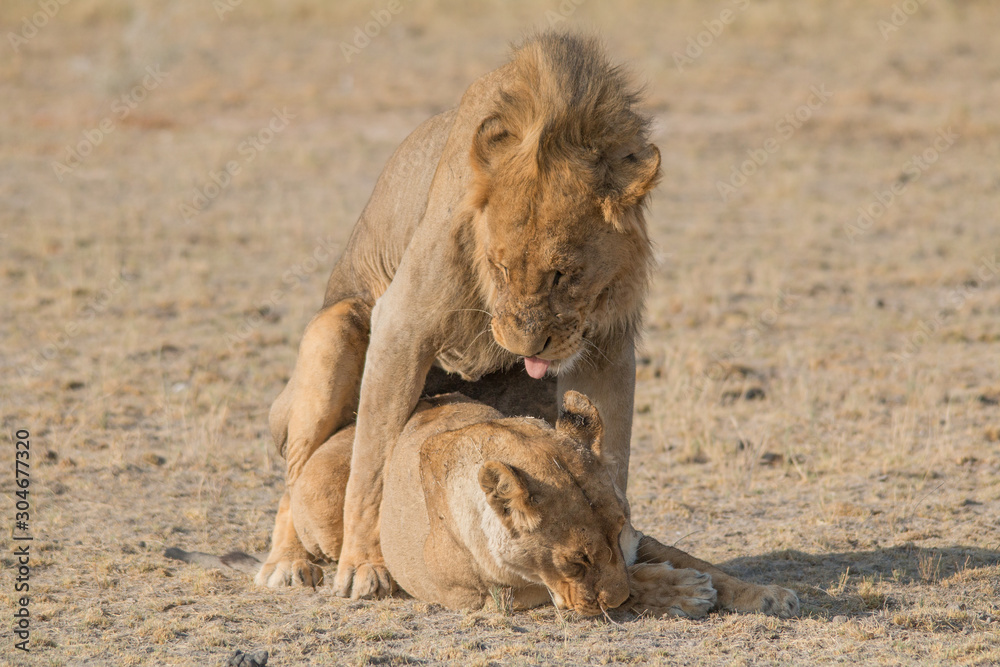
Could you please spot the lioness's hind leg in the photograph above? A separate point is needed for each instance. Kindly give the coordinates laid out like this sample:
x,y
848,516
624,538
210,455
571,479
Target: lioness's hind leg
x,y
733,594
657,589
317,497
322,394
288,563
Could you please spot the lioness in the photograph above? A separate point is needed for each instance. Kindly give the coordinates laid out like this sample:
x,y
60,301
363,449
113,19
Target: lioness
x,y
476,503
509,228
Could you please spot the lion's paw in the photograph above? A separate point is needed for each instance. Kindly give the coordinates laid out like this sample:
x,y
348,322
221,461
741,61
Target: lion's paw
x,y
298,572
657,589
363,581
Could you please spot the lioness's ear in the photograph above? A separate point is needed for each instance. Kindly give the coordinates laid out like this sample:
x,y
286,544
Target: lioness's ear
x,y
580,420
628,180
508,495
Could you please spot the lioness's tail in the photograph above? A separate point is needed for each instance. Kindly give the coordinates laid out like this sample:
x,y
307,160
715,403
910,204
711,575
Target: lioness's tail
x,y
234,560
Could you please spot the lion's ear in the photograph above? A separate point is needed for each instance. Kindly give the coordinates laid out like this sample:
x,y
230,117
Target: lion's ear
x,y
491,137
509,497
580,420
628,180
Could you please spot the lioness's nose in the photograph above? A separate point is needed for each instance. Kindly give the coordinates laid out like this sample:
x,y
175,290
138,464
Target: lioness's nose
x,y
614,595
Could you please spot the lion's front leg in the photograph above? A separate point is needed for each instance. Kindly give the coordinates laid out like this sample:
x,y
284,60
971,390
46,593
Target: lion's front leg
x,y
322,394
607,378
733,594
397,365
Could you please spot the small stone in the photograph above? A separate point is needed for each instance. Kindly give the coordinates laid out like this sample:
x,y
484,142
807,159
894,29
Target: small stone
x,y
751,394
771,459
153,459
990,398
241,659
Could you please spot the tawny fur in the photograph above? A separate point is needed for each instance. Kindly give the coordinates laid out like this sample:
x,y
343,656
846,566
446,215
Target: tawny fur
x,y
476,504
511,226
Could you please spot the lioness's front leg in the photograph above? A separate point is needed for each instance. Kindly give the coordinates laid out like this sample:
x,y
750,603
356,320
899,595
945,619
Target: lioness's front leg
x,y
658,589
733,594
608,379
398,361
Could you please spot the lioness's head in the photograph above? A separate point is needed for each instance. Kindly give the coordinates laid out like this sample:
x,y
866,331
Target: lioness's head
x,y
562,169
561,514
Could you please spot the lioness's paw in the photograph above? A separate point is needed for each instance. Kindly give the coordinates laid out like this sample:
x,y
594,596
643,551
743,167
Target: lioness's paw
x,y
299,572
657,589
363,581
771,600
778,601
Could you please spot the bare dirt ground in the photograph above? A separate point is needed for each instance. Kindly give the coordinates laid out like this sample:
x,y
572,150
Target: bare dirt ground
x,y
817,400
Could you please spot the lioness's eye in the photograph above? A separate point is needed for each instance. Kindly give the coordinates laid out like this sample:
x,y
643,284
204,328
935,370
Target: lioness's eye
x,y
556,277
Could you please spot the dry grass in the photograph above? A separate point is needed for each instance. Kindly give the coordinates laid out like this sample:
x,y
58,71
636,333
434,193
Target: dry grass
x,y
810,410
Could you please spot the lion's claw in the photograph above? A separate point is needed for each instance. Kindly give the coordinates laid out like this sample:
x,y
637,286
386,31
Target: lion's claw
x,y
362,582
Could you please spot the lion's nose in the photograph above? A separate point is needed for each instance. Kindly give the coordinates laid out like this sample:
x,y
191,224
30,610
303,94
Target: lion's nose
x,y
525,342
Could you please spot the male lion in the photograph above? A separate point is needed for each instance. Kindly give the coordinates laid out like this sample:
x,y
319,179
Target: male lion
x,y
476,504
509,228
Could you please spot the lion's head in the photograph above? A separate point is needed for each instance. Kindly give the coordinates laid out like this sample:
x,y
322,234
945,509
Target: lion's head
x,y
561,514
562,169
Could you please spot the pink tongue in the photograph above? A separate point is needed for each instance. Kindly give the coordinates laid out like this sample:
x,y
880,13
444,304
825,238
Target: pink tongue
x,y
536,367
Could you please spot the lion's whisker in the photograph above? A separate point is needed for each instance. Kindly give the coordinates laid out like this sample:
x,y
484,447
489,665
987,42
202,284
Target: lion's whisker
x,y
591,344
478,336
471,310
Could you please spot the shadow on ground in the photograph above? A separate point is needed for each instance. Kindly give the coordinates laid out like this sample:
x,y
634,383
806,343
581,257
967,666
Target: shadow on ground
x,y
857,582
